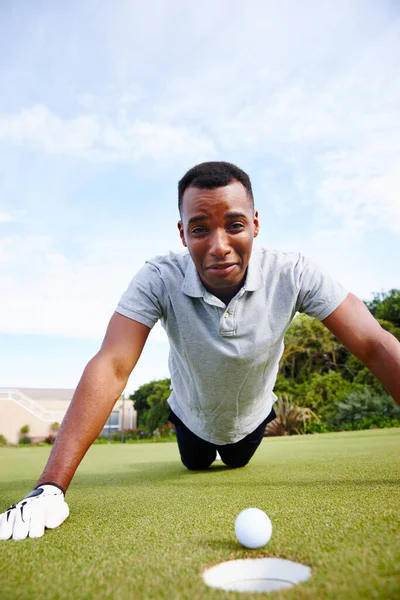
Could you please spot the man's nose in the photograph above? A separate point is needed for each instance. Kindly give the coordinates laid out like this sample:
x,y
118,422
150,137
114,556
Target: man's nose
x,y
219,244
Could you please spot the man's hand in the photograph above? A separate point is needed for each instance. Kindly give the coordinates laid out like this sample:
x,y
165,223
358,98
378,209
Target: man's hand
x,y
45,507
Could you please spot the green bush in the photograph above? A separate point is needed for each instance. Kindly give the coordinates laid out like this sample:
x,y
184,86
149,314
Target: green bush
x,y
3,440
50,439
164,433
373,422
321,392
290,418
315,427
24,439
363,407
289,387
101,440
24,429
129,436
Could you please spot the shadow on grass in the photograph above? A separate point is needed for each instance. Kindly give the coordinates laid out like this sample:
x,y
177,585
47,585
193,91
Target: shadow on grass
x,y
140,474
173,473
225,545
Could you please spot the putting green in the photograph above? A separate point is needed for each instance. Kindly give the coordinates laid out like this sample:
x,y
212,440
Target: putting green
x,y
142,527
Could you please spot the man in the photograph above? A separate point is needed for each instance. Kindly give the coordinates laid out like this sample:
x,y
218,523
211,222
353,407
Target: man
x,y
225,307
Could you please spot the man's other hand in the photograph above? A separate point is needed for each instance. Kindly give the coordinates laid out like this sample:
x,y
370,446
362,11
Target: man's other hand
x,y
45,507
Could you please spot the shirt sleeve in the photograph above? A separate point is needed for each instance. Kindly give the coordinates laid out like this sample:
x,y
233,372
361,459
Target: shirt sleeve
x,y
143,299
318,293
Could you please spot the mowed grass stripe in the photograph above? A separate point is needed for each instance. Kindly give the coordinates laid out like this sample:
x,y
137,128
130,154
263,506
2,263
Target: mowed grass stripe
x,y
142,526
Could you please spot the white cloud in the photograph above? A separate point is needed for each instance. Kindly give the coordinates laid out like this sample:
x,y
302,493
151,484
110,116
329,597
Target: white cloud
x,y
93,137
269,83
364,203
290,91
43,291
38,126
6,217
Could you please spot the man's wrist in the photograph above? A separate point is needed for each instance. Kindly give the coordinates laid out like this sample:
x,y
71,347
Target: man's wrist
x,y
50,483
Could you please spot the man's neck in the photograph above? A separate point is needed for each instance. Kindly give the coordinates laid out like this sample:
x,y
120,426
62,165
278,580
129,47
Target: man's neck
x,y
225,295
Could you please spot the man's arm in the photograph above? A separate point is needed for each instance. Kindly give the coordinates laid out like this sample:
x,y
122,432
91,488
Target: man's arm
x,y
361,334
103,381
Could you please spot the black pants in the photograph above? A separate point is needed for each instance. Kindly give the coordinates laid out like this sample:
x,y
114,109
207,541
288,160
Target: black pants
x,y
197,454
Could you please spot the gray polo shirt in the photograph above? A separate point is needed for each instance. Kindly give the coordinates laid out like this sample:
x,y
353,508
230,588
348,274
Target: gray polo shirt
x,y
224,360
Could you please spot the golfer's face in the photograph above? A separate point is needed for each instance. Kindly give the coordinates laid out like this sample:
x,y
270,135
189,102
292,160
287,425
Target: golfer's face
x,y
218,227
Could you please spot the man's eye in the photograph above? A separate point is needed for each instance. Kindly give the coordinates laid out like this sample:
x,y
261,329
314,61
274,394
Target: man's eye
x,y
197,230
236,226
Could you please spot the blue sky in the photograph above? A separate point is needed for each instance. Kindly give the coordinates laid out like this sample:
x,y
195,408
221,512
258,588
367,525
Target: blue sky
x,y
104,106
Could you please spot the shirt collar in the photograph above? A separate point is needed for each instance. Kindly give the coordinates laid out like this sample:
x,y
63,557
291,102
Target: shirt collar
x,y
192,285
254,277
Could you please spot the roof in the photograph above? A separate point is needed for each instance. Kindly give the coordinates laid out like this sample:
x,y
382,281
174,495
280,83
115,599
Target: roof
x,y
45,393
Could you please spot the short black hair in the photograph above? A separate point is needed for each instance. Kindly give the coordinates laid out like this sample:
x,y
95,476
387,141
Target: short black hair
x,y
213,174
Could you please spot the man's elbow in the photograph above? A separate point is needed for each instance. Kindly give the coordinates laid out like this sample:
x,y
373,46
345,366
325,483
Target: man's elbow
x,y
121,370
375,349
110,367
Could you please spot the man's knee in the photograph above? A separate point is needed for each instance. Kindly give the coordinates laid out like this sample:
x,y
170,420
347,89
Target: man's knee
x,y
198,461
235,463
197,465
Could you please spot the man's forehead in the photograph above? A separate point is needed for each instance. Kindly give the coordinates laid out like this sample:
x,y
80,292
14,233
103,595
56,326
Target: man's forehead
x,y
233,194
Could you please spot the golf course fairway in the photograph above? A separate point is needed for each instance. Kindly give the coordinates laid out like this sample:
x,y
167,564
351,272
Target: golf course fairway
x,y
143,527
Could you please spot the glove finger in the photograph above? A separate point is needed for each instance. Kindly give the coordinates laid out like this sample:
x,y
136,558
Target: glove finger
x,y
22,521
36,527
7,524
56,514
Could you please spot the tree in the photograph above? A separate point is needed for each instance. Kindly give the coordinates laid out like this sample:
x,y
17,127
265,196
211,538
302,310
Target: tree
x,y
357,373
388,325
324,390
150,401
386,306
310,348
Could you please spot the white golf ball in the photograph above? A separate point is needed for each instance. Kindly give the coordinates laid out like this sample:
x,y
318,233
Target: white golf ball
x,y
253,528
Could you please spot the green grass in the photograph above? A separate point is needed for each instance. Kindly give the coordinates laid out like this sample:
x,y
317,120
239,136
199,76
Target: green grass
x,y
143,527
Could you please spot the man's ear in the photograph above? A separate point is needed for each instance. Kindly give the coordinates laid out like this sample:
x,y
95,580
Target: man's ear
x,y
182,233
256,224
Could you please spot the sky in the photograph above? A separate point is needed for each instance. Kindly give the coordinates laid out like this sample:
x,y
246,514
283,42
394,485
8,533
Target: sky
x,y
104,106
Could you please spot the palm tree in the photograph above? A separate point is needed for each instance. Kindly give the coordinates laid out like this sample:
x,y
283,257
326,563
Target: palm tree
x,y
290,418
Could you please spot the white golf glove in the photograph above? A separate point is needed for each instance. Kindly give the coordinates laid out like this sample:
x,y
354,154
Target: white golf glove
x,y
45,507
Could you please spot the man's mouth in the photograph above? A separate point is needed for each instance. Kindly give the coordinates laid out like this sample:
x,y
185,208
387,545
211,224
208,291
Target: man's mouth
x,y
222,268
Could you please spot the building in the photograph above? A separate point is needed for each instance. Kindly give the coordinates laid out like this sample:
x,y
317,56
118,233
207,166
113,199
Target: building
x,y
41,408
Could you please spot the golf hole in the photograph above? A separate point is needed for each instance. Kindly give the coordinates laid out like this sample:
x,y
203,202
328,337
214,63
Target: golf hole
x,y
256,575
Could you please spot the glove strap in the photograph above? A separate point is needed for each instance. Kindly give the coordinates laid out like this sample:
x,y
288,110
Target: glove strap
x,y
50,483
